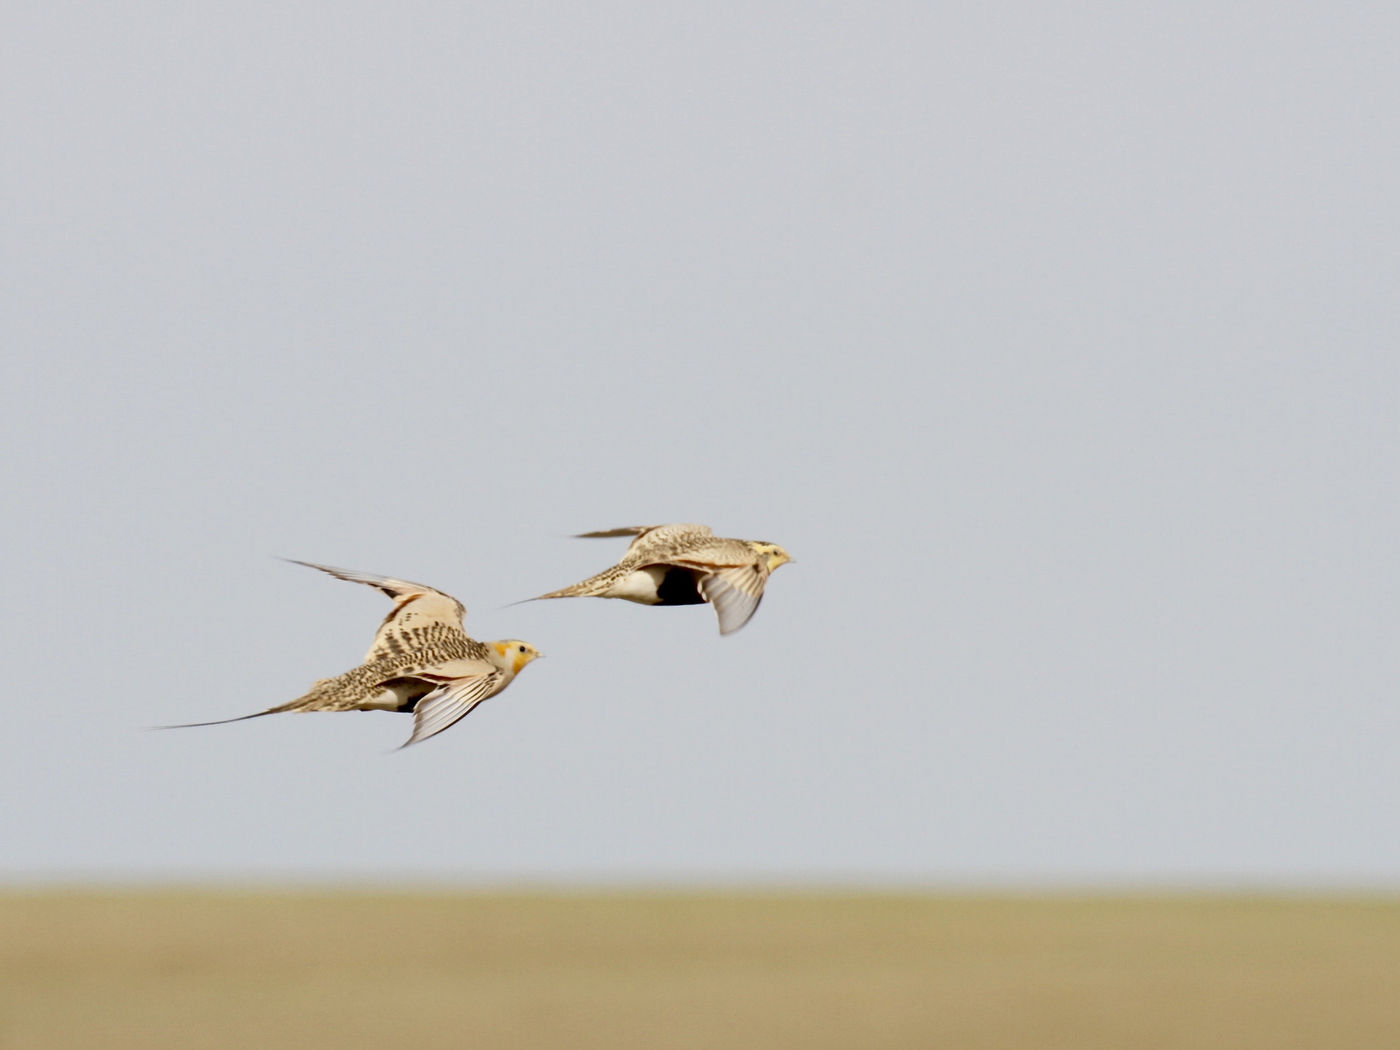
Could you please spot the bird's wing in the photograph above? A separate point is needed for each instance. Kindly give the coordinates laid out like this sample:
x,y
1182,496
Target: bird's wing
x,y
654,537
451,702
711,553
416,606
735,594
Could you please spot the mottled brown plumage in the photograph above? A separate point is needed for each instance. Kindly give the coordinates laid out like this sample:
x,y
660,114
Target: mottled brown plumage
x,y
421,660
685,564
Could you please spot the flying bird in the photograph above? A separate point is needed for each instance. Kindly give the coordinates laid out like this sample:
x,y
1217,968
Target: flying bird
x,y
685,565
421,661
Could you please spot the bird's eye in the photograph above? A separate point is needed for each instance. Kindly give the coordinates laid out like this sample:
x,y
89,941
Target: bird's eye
x,y
522,648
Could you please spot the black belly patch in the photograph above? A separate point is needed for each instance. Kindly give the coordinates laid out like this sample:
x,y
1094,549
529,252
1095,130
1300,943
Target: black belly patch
x,y
679,587
410,691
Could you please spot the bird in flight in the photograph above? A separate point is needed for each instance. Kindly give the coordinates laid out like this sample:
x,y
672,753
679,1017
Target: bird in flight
x,y
685,565
421,661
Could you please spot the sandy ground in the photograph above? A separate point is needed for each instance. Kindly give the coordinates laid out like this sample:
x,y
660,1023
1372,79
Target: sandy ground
x,y
347,970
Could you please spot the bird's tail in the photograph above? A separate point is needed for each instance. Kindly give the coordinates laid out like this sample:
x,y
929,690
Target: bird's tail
x,y
219,721
588,588
309,701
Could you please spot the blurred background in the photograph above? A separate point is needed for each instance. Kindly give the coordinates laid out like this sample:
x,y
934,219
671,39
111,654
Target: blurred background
x,y
1056,345
1058,348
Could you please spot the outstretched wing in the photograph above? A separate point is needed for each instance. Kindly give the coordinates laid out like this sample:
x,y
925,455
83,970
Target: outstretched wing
x,y
416,606
735,594
711,553
656,539
450,703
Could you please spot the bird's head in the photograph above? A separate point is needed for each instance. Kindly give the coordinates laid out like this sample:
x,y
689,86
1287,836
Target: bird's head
x,y
771,553
511,654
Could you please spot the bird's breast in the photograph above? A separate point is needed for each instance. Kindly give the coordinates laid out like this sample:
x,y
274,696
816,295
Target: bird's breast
x,y
659,585
640,586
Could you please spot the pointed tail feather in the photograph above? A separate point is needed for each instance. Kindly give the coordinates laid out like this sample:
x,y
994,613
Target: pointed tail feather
x,y
301,703
567,592
220,721
589,588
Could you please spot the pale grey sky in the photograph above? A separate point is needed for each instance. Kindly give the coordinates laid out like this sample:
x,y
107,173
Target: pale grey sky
x,y
1059,346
